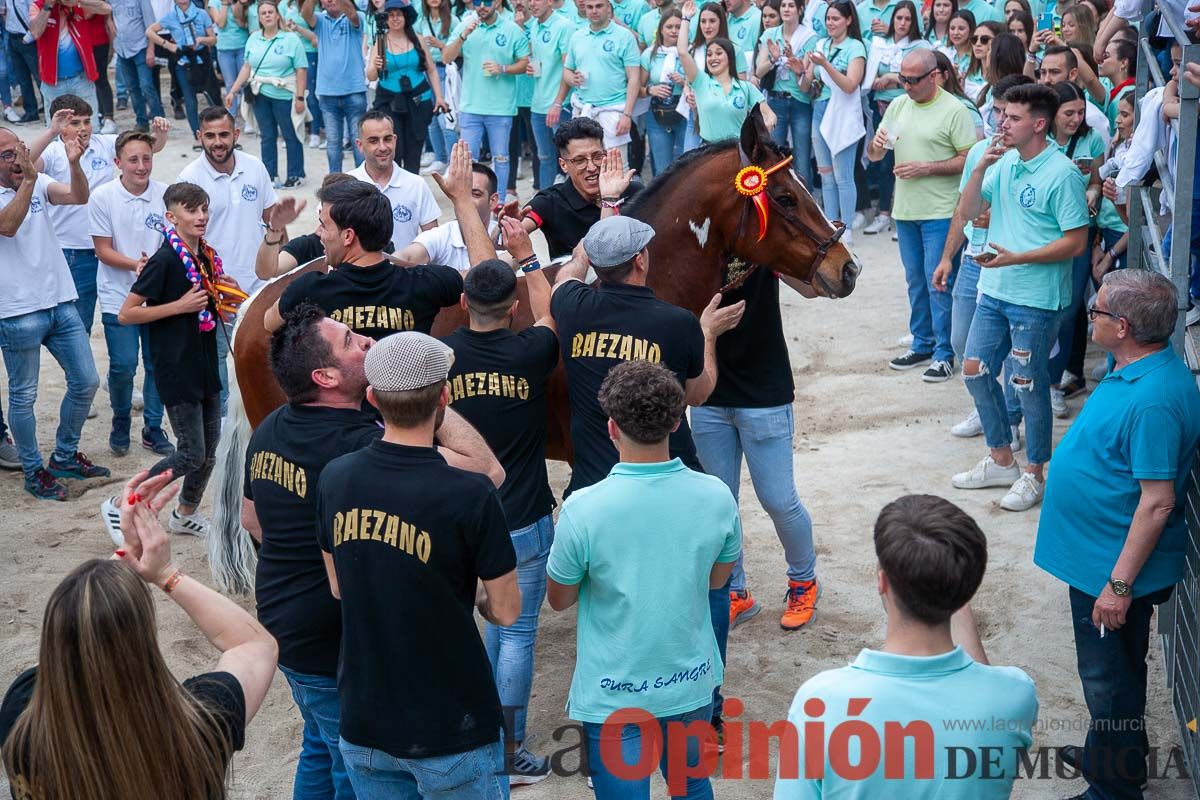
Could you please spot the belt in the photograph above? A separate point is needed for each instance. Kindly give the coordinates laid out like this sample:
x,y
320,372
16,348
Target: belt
x,y
780,95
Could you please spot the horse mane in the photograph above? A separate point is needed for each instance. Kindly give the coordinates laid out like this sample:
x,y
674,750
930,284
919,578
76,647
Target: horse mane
x,y
644,200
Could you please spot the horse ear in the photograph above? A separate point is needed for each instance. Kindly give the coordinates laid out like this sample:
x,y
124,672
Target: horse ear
x,y
753,137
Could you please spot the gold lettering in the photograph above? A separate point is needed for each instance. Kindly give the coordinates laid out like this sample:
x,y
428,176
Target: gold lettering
x,y
523,389
351,530
508,385
336,314
469,383
380,519
493,384
393,524
407,532
358,319
456,388
576,345
589,344
654,354
626,352
423,545
639,350
301,482
337,529
364,528
409,320
395,319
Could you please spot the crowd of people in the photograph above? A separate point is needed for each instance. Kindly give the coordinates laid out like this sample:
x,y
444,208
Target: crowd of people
x,y
407,472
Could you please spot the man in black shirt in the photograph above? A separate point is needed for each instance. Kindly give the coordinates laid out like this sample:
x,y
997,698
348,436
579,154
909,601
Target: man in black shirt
x,y
598,184
364,290
622,320
498,383
278,254
407,541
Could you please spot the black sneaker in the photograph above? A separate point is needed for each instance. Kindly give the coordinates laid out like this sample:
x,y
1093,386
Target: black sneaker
x,y
179,112
718,725
909,360
525,769
118,437
293,183
78,468
939,371
155,440
122,104
44,486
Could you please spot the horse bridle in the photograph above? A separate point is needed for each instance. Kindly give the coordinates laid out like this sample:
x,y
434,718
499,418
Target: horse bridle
x,y
824,244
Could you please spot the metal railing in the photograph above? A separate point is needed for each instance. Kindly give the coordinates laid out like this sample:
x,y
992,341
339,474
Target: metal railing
x,y
1179,619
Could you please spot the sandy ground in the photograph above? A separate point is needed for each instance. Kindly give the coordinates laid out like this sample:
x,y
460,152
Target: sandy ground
x,y
864,435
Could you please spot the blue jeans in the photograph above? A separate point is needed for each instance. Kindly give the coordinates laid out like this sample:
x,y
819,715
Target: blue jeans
x,y
441,138
1017,338
5,88
497,127
929,311
965,290
839,197
274,118
77,85
320,772
609,787
794,118
718,609
23,62
139,83
665,141
764,435
224,333
547,154
314,104
83,265
230,62
511,649
21,341
189,97
341,114
123,342
691,136
1113,673
474,775
1081,276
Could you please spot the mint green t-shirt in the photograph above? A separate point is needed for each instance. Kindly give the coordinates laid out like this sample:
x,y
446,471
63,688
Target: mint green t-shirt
x,y
630,12
891,692
503,42
982,10
290,9
973,155
1112,106
868,12
641,545
745,30
424,26
721,115
655,68
647,28
892,64
785,79
602,56
817,20
1089,147
280,56
548,42
231,36
839,56
1033,204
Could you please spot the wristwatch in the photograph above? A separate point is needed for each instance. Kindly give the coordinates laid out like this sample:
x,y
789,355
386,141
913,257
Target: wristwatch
x,y
1120,588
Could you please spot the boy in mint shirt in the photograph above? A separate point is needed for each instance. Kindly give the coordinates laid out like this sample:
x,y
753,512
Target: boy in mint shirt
x,y
1038,205
495,51
549,36
930,672
639,552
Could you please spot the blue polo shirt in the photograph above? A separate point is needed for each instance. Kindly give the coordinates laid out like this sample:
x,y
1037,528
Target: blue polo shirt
x,y
1141,423
603,56
340,69
548,42
948,692
868,12
1034,203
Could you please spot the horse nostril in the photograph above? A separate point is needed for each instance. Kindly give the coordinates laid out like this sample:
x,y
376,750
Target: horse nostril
x,y
850,272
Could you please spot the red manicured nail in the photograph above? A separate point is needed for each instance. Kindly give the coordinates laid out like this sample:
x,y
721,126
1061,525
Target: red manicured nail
x,y
120,553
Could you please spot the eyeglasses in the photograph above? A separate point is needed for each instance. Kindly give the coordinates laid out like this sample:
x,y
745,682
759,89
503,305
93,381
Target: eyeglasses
x,y
8,155
581,162
982,39
1093,311
907,81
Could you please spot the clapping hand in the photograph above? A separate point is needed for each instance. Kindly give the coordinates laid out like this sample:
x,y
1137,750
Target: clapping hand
x,y
60,120
286,211
614,178
160,125
515,239
149,495
74,149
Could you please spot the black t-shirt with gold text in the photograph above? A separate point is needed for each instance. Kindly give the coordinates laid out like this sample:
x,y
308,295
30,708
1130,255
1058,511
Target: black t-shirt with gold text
x,y
284,460
498,383
600,328
753,368
378,300
410,536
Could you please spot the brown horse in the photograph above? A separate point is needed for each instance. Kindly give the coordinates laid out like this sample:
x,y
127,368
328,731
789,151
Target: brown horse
x,y
706,234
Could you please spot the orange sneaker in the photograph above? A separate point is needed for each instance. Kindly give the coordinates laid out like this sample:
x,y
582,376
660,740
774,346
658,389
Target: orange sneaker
x,y
742,606
801,604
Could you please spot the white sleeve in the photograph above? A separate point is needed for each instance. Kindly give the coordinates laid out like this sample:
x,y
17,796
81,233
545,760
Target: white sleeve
x,y
429,208
54,158
1130,9
266,189
1144,141
99,216
435,242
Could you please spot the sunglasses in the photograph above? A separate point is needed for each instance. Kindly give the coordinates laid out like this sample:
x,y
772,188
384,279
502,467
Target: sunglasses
x,y
907,81
1093,311
982,39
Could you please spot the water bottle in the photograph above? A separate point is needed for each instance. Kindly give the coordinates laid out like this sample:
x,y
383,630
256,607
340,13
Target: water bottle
x,y
979,237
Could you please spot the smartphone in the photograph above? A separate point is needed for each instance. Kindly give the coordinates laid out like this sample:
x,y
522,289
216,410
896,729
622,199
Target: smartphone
x,y
1045,21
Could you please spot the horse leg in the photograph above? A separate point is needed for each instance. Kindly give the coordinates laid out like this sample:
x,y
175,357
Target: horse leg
x,y
231,553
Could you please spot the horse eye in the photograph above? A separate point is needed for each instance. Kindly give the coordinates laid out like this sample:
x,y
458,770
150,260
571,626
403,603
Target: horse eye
x,y
786,200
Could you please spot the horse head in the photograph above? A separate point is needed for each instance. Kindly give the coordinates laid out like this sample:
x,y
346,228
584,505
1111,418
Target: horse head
x,y
778,223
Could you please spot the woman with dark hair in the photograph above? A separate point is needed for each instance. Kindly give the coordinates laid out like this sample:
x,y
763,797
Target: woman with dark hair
x,y
781,65
937,24
409,87
1007,57
962,28
712,23
1021,25
947,78
722,99
770,15
434,25
101,715
975,78
662,82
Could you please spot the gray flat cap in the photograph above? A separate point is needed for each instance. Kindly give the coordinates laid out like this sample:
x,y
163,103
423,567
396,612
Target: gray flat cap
x,y
406,361
615,240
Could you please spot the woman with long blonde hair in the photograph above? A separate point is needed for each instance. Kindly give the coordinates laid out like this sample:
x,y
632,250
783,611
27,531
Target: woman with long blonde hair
x,y
101,717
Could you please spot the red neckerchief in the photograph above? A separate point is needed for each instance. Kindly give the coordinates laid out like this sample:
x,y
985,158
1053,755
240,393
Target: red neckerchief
x,y
1117,89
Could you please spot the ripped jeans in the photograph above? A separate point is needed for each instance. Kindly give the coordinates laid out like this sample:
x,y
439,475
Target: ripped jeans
x,y
1018,338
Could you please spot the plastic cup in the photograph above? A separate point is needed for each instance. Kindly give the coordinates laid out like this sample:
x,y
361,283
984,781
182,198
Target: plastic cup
x,y
536,65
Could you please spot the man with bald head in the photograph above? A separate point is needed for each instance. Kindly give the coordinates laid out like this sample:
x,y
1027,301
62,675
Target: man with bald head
x,y
931,131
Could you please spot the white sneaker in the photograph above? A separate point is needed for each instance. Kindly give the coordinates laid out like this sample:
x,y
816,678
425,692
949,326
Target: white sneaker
x,y
426,158
110,513
1024,494
1193,316
858,221
436,166
969,427
314,141
881,223
986,474
139,402
248,128
1058,403
11,114
895,235
1016,438
92,412
194,524
906,340
108,127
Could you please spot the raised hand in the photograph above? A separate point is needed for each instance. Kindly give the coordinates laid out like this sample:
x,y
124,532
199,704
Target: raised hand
x,y
60,120
614,178
287,210
160,125
515,239
74,149
150,493
25,163
456,183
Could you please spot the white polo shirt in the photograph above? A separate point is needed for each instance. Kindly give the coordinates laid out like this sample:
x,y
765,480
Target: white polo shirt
x,y
236,203
445,245
33,270
97,163
135,223
412,203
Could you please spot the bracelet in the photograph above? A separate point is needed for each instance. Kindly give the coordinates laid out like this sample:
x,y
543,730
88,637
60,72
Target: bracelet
x,y
172,581
611,202
531,264
1112,254
275,243
627,116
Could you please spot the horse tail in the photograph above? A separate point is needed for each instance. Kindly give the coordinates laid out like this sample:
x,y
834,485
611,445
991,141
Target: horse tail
x,y
231,553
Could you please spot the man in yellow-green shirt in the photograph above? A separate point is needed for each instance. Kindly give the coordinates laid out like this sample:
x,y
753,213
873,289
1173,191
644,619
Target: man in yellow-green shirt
x,y
931,132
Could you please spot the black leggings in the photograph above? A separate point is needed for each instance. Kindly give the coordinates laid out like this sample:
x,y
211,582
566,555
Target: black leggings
x,y
410,139
197,429
104,92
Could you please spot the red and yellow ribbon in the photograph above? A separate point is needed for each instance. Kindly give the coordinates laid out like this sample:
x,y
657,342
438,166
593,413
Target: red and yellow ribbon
x,y
751,183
